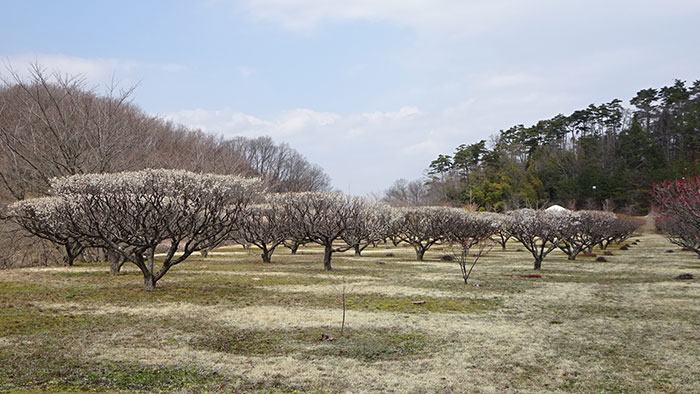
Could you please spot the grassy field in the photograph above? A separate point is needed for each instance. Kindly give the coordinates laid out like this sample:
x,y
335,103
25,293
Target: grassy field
x,y
230,323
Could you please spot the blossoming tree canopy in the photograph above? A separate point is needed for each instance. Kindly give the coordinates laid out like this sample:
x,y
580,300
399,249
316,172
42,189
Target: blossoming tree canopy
x,y
540,232
131,213
323,218
423,227
265,226
679,211
45,217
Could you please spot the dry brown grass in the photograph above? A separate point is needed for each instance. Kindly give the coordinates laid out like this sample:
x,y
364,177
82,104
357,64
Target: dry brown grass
x,y
621,326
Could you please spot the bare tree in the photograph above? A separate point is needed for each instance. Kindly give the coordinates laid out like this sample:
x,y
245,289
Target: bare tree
x,y
618,230
282,168
53,125
403,193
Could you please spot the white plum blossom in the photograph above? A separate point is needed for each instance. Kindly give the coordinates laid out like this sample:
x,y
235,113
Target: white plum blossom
x,y
131,213
322,218
540,232
423,227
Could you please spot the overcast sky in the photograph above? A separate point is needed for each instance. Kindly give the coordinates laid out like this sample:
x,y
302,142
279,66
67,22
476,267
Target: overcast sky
x,y
371,90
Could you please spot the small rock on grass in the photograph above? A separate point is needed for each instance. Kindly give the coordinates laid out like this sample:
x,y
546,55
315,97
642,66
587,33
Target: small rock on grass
x,y
670,251
601,259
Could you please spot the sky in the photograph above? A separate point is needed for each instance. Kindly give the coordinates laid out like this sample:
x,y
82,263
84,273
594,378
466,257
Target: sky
x,y
371,90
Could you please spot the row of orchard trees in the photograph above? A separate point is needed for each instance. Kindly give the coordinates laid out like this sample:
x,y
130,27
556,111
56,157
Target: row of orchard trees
x,y
130,214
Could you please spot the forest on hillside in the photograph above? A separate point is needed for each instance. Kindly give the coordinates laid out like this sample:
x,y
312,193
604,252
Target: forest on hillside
x,y
603,156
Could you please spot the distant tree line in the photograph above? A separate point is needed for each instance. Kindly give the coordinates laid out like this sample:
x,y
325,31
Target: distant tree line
x,y
603,156
54,126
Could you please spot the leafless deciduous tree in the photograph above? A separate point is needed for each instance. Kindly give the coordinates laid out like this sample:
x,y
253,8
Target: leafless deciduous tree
x,y
131,213
403,193
282,168
323,218
540,232
51,125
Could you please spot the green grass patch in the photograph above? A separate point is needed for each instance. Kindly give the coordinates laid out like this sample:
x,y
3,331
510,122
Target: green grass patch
x,y
366,345
376,302
376,345
54,369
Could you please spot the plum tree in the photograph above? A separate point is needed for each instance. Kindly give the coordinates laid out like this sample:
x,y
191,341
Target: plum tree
x,y
540,232
323,218
131,213
679,211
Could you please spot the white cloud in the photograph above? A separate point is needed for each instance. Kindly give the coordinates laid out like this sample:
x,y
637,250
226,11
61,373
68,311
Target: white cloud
x,y
464,16
508,80
365,150
96,71
245,71
403,113
301,120
450,14
232,123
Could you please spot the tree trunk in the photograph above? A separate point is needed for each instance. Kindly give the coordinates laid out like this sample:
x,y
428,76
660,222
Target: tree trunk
x,y
358,251
266,256
72,253
115,262
149,282
538,264
115,266
327,253
572,257
419,254
69,260
294,248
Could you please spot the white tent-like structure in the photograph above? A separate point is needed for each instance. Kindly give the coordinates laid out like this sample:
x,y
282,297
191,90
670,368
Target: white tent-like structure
x,y
556,208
